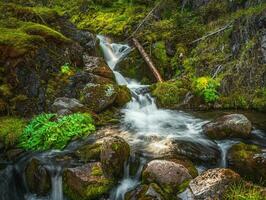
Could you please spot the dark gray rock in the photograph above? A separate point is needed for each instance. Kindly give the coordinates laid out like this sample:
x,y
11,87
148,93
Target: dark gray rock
x,y
228,126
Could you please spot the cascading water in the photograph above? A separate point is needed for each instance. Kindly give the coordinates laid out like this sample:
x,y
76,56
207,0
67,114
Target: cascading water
x,y
151,133
152,130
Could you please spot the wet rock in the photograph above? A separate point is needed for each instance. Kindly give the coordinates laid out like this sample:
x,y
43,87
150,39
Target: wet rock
x,y
149,192
86,182
64,105
13,154
37,177
97,66
123,96
197,151
98,97
228,126
187,164
89,152
248,160
169,175
212,183
115,152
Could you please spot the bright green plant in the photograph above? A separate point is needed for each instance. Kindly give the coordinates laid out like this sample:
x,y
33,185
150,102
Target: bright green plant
x,y
207,88
49,131
65,69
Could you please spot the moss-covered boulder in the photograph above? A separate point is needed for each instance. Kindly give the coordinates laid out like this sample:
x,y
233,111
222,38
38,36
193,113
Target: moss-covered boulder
x,y
98,97
89,152
86,182
37,177
172,177
248,160
212,183
169,94
123,96
64,105
114,154
228,126
147,192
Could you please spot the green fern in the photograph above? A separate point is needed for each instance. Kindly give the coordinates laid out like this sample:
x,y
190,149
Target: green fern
x,y
49,131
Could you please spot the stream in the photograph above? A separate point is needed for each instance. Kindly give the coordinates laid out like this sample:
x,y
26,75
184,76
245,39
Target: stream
x,y
151,132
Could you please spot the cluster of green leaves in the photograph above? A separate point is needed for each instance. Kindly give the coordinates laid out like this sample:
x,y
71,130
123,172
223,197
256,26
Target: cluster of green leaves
x,y
10,130
66,69
207,88
243,191
50,131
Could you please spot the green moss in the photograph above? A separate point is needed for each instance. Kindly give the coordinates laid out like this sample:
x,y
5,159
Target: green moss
x,y
123,96
115,21
11,129
45,32
169,94
96,171
89,152
244,191
244,151
183,186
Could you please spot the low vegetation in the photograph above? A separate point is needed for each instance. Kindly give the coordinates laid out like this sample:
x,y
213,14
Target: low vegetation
x,y
11,129
50,131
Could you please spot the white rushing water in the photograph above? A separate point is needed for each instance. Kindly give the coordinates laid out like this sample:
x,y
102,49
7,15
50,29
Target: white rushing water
x,y
150,127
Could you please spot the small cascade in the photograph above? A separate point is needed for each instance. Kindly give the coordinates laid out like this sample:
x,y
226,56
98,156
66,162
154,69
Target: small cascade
x,y
128,183
224,147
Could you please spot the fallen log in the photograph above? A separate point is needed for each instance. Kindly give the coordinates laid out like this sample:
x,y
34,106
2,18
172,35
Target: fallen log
x,y
147,60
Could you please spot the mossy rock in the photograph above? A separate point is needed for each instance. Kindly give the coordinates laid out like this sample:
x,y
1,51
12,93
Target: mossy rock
x,y
169,94
86,182
172,177
114,154
249,161
123,96
38,178
99,97
89,152
147,192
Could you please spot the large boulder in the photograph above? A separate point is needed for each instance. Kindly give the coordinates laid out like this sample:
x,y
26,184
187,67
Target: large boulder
x,y
212,183
37,177
64,105
115,152
86,182
228,126
248,160
99,96
205,151
169,175
149,192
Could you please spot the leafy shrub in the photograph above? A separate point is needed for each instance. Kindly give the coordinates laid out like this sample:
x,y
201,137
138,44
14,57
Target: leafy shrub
x,y
47,131
207,88
10,130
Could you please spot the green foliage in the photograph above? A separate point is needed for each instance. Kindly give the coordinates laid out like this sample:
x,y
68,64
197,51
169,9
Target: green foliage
x,y
10,130
66,69
207,88
48,131
169,94
243,191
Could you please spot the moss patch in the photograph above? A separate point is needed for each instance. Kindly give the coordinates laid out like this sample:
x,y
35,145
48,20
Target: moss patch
x,y
10,130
